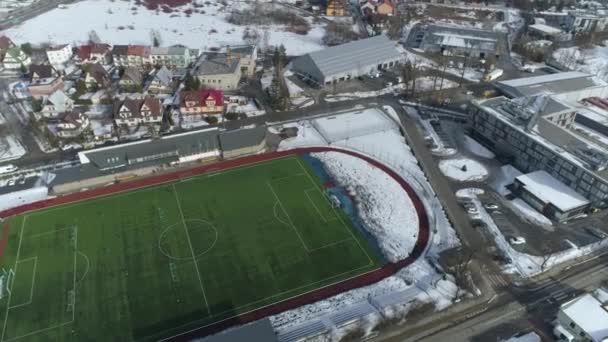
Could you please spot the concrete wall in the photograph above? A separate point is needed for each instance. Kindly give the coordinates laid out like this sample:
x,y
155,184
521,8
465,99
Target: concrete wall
x,y
221,81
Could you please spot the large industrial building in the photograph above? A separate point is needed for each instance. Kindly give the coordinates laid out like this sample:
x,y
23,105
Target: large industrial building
x,y
556,123
459,41
344,62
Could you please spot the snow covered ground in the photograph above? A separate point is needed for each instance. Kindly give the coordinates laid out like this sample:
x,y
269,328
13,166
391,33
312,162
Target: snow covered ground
x,y
529,337
476,148
388,212
410,287
124,22
10,148
364,94
463,169
593,61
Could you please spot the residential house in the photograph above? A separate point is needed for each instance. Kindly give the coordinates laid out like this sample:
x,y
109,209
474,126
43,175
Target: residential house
x,y
197,102
96,76
219,71
386,7
173,57
368,8
335,8
161,81
14,58
58,55
5,44
44,80
93,53
133,112
131,79
58,102
72,124
248,54
131,55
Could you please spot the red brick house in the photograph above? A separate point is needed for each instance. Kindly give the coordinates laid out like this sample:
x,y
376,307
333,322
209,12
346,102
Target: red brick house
x,y
44,80
198,102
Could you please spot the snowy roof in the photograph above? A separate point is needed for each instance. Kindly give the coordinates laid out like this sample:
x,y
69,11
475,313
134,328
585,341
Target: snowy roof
x,y
550,190
546,29
587,312
351,56
548,84
217,64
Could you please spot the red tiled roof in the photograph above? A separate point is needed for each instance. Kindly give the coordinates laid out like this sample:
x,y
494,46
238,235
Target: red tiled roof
x,y
84,52
5,43
138,50
100,48
201,97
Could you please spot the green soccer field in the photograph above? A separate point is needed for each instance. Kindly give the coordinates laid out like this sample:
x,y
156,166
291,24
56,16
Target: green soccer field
x,y
154,262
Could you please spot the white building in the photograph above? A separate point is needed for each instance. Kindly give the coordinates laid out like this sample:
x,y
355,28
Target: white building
x,y
59,54
583,319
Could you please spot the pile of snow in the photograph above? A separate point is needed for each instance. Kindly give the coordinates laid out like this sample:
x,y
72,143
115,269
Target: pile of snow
x,y
463,169
505,176
477,149
526,212
385,208
123,22
428,83
10,148
592,61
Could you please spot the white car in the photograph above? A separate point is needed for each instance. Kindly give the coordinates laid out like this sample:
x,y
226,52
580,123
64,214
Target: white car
x,y
472,210
517,240
490,206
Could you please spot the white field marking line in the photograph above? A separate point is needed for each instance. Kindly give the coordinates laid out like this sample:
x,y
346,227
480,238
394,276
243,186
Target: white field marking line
x,y
274,209
267,305
8,304
75,269
29,301
331,244
48,233
87,269
155,186
326,220
287,177
338,215
198,255
38,331
287,214
234,169
198,273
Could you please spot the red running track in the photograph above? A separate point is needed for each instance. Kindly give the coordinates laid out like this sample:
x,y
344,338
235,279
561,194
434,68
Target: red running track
x,y
308,298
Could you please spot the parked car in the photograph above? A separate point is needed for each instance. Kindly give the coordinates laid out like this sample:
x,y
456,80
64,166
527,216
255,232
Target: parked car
x,y
490,206
517,240
472,210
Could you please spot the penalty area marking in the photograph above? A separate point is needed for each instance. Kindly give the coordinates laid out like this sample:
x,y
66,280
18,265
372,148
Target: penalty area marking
x,y
33,282
71,293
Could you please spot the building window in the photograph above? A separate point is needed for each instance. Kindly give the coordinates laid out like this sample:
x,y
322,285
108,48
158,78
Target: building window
x,y
572,325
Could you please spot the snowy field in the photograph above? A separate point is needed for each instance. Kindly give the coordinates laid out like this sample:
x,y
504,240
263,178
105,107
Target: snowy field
x,y
410,287
388,212
124,22
10,148
463,170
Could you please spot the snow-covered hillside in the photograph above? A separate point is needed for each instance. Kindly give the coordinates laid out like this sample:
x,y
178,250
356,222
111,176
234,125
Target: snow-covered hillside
x,y
125,22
